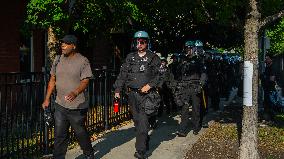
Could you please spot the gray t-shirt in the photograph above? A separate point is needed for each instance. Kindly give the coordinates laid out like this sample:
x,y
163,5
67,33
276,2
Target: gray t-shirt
x,y
69,73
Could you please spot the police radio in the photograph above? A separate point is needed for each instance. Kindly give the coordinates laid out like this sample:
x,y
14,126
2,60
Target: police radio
x,y
116,105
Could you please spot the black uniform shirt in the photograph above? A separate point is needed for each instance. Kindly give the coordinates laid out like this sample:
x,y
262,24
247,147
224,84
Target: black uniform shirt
x,y
138,71
193,68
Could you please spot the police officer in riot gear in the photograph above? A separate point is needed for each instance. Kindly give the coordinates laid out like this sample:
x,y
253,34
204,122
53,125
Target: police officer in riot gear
x,y
165,87
198,48
199,51
140,74
173,67
192,80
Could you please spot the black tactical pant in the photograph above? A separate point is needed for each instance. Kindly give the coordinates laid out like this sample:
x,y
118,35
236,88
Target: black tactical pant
x,y
190,96
167,101
63,119
214,94
140,119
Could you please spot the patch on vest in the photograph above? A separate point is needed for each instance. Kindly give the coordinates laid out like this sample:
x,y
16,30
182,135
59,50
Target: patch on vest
x,y
142,68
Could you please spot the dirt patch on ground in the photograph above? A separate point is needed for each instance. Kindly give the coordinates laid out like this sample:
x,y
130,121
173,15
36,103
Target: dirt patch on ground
x,y
221,139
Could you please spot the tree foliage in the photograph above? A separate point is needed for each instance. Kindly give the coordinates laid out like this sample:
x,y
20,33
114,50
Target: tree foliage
x,y
46,13
276,29
167,21
218,22
270,7
83,16
276,35
172,22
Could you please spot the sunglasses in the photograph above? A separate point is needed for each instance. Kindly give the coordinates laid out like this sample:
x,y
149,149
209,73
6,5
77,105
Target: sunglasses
x,y
141,42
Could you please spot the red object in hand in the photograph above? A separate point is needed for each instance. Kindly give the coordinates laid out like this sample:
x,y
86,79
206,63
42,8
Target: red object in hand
x,y
116,105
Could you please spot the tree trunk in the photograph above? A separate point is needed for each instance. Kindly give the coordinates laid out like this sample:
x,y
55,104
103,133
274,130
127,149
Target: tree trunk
x,y
52,45
248,146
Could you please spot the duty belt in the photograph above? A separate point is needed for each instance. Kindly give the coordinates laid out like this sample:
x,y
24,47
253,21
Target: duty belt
x,y
133,89
138,90
191,80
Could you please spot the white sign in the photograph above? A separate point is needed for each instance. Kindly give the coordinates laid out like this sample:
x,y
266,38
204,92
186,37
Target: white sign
x,y
248,72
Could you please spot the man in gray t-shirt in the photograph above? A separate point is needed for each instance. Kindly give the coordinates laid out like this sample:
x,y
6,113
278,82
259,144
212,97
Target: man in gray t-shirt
x,y
70,74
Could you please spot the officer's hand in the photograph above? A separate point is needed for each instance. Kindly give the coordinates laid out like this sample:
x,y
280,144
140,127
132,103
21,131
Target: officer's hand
x,y
145,88
71,96
116,95
45,103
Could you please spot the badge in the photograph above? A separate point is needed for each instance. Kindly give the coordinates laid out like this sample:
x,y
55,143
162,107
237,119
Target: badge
x,y
145,59
142,68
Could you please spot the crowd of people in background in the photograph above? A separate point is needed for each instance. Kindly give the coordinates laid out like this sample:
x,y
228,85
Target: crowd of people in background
x,y
196,76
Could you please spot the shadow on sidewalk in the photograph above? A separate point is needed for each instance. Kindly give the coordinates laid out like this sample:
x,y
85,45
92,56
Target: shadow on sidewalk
x,y
114,139
167,127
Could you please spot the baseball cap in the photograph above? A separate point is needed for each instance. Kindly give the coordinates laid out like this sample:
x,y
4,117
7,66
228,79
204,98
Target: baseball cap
x,y
69,39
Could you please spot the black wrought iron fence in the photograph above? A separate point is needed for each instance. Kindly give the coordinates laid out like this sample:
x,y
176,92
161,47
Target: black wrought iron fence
x,y
23,133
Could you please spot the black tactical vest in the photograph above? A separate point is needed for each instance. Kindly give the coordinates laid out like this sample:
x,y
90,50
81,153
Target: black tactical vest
x,y
139,71
192,68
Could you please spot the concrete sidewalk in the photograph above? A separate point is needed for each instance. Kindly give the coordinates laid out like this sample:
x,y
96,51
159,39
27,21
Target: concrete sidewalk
x,y
164,144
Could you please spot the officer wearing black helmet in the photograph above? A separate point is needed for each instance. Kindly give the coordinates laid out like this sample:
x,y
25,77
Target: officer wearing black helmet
x,y
140,74
165,87
174,65
193,78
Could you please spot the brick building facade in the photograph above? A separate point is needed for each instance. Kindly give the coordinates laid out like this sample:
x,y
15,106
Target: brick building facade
x,y
12,14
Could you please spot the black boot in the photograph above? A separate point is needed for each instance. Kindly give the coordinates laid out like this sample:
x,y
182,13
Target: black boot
x,y
181,134
196,130
205,125
140,155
